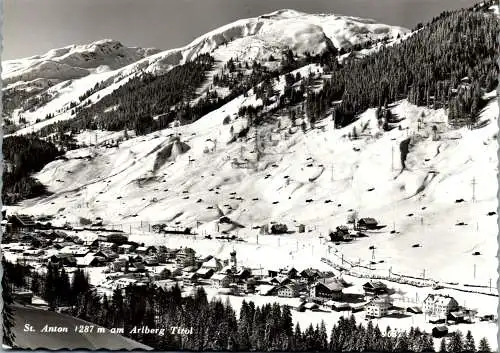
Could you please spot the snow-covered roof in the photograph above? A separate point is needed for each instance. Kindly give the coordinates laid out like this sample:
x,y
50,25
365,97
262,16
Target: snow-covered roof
x,y
264,289
219,276
85,260
74,250
212,263
204,271
439,299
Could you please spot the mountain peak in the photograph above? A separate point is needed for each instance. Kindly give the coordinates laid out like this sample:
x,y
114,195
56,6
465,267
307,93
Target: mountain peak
x,y
283,13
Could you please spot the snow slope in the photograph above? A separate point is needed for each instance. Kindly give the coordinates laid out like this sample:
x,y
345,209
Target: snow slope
x,y
293,182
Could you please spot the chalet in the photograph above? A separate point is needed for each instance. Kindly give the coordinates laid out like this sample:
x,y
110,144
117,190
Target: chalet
x,y
220,280
310,275
375,288
246,286
378,307
281,280
340,234
439,331
326,289
205,273
243,274
106,246
125,248
171,253
22,223
367,223
456,317
88,238
63,259
289,272
287,291
190,278
440,306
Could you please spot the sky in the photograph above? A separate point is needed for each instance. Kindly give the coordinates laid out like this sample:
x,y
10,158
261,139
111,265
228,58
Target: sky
x,y
33,27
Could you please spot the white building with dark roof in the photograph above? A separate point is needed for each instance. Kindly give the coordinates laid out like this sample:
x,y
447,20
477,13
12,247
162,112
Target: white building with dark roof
x,y
439,305
378,307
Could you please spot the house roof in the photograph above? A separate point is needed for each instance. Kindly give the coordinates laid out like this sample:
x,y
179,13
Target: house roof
x,y
333,284
204,271
85,260
75,250
414,309
368,220
375,285
25,220
265,289
212,263
281,278
310,272
310,305
440,299
291,286
219,276
441,328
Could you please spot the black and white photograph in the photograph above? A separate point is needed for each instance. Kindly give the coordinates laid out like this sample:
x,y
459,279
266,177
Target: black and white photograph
x,y
250,175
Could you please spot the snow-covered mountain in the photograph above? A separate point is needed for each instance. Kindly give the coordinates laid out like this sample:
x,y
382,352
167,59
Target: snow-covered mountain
x,y
246,40
72,62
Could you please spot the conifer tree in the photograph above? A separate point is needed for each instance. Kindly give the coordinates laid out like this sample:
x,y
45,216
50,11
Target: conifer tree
x,y
470,345
484,345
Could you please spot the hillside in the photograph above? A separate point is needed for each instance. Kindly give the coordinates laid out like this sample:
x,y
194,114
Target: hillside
x,y
247,40
130,183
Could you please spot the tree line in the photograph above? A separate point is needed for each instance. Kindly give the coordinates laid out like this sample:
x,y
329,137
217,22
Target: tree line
x,y
25,155
428,68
